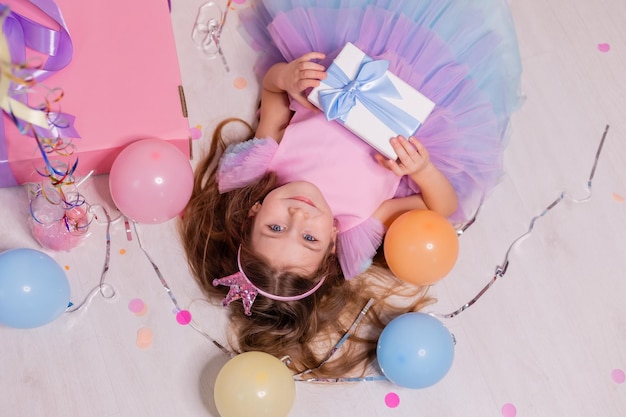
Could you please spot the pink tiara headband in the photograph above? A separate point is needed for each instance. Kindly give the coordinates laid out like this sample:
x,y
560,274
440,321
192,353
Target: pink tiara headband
x,y
241,288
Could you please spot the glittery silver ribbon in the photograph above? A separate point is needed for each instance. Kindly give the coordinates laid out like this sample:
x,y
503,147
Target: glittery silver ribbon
x,y
301,376
102,286
167,289
503,267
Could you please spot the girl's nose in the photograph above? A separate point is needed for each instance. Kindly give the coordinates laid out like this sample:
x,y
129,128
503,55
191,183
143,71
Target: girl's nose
x,y
298,212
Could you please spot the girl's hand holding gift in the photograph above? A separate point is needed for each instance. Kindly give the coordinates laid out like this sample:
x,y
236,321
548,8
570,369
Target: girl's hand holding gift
x,y
413,157
302,74
436,192
282,79
297,76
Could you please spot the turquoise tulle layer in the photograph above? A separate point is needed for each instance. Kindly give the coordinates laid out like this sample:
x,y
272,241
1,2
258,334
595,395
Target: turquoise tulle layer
x,y
462,54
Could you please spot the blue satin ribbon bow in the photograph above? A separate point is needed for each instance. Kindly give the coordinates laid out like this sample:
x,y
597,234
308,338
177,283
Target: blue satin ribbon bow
x,y
370,87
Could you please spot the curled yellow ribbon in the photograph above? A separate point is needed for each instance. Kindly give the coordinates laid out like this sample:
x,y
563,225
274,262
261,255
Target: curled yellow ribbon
x,y
7,103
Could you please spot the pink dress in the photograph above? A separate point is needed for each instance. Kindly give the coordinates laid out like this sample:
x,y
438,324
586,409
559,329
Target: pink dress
x,y
341,165
461,54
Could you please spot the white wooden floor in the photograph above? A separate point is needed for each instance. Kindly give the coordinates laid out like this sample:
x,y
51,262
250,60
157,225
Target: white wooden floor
x,y
547,339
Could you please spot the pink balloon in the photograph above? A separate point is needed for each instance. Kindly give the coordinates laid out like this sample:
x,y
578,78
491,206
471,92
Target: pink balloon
x,y
151,181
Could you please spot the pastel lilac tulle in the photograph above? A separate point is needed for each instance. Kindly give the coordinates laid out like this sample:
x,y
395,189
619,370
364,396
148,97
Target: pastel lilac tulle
x,y
356,247
243,163
462,54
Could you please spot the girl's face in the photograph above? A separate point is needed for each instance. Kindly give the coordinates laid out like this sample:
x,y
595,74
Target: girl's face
x,y
293,227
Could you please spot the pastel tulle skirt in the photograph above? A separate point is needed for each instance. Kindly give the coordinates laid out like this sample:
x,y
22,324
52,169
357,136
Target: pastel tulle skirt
x,y
462,54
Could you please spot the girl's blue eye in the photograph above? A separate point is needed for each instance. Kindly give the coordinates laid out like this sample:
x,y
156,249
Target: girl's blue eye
x,y
309,238
276,228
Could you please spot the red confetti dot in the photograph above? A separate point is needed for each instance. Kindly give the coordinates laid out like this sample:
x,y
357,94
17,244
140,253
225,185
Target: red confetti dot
x,y
392,400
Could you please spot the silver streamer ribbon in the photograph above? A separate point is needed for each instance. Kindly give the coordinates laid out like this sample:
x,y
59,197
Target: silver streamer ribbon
x,y
102,286
173,298
301,376
207,30
503,267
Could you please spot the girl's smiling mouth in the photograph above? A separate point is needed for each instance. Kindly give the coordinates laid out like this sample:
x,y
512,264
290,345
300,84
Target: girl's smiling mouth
x,y
304,200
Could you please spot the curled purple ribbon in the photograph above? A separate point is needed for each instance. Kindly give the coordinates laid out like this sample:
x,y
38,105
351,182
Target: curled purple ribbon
x,y
370,87
22,33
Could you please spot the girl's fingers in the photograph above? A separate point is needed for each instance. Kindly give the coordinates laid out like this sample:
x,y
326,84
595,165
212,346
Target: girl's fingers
x,y
389,164
307,62
382,161
310,66
312,74
406,152
399,147
304,84
312,56
419,146
412,145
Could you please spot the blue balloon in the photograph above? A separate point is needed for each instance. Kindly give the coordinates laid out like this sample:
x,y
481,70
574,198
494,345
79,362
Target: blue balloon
x,y
33,288
415,350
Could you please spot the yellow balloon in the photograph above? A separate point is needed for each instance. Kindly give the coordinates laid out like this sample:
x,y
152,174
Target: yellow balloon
x,y
254,384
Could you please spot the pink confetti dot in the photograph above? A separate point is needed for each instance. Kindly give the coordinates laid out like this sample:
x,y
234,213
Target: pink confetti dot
x,y
196,132
136,305
183,317
604,47
509,410
618,376
239,1
392,400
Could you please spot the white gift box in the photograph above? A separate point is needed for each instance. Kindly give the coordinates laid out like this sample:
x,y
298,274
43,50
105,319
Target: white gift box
x,y
354,94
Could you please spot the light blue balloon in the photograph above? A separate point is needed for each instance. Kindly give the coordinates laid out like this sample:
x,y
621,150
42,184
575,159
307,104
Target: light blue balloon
x,y
415,350
33,288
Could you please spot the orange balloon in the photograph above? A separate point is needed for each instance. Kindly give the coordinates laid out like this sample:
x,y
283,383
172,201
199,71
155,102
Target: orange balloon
x,y
421,247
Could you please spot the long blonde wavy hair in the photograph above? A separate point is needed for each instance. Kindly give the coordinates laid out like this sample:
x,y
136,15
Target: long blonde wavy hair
x,y
212,228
